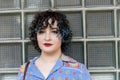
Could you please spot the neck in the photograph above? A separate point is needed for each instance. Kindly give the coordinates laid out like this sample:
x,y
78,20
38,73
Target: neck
x,y
50,57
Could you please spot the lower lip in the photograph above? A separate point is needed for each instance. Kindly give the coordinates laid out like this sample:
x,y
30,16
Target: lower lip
x,y
48,45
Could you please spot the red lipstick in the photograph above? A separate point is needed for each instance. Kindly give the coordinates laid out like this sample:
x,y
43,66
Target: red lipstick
x,y
47,44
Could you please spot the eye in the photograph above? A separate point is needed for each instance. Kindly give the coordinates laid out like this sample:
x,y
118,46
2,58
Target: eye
x,y
55,32
42,31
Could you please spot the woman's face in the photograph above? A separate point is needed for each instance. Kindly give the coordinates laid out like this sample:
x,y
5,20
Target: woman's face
x,y
48,39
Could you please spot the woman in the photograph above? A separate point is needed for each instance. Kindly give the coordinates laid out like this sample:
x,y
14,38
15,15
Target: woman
x,y
50,34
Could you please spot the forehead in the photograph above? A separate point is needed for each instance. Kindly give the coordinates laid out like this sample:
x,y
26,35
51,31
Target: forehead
x,y
50,23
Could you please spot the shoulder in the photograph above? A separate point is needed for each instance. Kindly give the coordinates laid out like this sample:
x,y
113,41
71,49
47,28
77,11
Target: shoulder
x,y
72,63
76,67
22,68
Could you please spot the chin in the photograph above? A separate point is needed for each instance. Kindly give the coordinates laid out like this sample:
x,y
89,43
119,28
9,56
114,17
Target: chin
x,y
48,51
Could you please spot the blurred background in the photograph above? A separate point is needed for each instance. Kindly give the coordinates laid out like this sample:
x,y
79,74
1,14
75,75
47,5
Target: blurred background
x,y
96,34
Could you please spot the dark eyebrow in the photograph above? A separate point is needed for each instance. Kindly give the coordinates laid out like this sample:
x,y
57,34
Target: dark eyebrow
x,y
54,28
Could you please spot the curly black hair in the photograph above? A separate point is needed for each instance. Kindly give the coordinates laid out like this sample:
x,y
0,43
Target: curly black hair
x,y
62,23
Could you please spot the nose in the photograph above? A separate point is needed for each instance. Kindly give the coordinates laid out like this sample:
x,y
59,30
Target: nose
x,y
47,36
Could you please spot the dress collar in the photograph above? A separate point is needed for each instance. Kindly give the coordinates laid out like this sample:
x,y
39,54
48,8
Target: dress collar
x,y
60,63
65,58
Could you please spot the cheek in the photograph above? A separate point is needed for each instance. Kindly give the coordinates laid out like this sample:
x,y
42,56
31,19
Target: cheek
x,y
57,39
59,42
39,39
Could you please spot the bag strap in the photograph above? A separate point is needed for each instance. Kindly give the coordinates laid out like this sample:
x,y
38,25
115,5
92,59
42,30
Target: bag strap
x,y
26,67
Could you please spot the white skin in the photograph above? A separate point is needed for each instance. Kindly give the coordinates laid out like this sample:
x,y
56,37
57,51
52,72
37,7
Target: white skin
x,y
49,54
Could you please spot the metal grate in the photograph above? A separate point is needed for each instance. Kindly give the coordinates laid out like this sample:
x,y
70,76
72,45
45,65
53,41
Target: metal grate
x,y
8,4
37,4
68,3
101,55
100,23
103,76
119,53
10,76
31,52
10,26
10,55
118,2
92,22
118,18
98,2
76,50
28,20
75,19
119,75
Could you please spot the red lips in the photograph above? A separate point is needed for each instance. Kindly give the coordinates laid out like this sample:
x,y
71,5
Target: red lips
x,y
47,44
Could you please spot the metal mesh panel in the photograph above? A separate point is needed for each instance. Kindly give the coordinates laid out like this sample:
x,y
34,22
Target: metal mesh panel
x,y
31,52
76,50
37,4
119,53
9,4
75,19
119,75
101,55
98,2
100,23
119,23
28,20
10,26
8,76
10,55
103,76
68,3
118,2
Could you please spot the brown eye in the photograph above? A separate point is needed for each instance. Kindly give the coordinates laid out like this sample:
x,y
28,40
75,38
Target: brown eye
x,y
40,32
55,32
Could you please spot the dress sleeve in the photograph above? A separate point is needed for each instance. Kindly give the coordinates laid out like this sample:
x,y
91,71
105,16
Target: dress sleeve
x,y
21,72
85,74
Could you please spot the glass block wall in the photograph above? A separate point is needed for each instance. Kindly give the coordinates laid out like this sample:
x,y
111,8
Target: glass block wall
x,y
96,34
